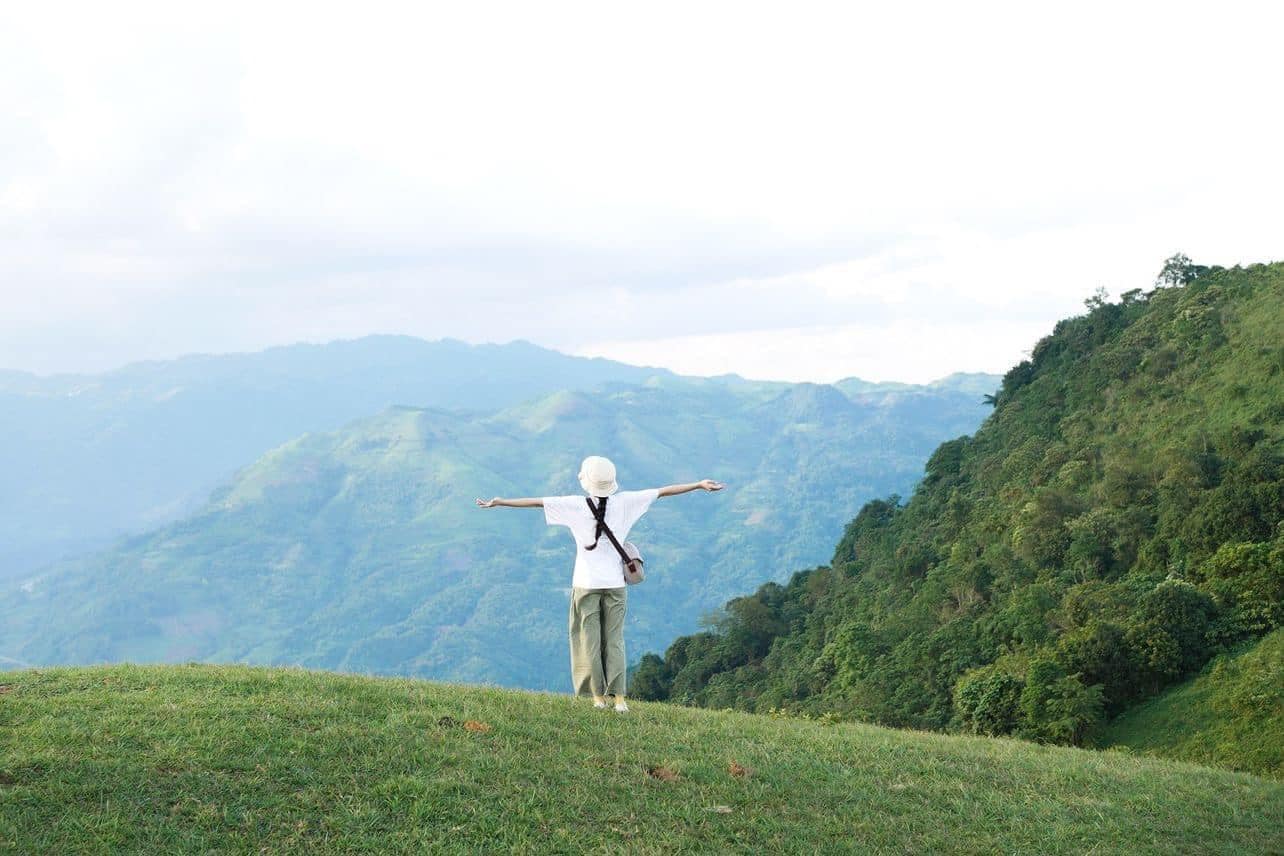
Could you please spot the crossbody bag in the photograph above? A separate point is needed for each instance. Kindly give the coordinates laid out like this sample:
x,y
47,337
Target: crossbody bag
x,y
630,556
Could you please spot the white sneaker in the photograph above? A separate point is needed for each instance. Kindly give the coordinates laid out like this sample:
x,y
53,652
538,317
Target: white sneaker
x,y
621,707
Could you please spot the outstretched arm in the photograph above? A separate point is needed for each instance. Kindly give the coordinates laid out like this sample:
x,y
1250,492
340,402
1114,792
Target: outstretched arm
x,y
535,502
707,484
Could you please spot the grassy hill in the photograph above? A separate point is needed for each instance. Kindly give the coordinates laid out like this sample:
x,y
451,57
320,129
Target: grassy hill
x,y
1231,715
361,549
201,758
1117,522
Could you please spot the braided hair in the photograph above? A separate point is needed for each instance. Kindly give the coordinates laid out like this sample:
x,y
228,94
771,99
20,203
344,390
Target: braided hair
x,y
600,517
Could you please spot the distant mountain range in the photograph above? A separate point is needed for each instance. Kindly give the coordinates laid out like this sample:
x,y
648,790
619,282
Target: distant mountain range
x,y
359,548
87,458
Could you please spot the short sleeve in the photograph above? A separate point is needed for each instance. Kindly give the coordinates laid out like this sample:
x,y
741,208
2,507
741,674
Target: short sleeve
x,y
639,502
558,509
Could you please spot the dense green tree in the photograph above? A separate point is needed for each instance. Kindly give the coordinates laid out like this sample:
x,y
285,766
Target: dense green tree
x,y
1170,633
1113,525
1179,270
987,701
1247,579
1056,707
1100,655
650,679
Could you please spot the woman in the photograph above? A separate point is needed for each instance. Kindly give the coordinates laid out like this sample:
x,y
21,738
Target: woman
x,y
598,594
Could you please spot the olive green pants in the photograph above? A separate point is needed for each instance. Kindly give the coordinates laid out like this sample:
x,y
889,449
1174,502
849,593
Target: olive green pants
x,y
597,641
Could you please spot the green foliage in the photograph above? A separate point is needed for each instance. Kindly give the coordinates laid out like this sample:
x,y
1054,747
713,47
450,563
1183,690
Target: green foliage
x,y
1179,270
1230,715
987,700
650,679
1170,631
200,759
1041,535
1248,580
1101,656
1113,525
1056,707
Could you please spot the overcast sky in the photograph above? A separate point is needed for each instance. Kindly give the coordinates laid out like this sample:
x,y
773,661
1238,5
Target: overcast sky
x,y
815,192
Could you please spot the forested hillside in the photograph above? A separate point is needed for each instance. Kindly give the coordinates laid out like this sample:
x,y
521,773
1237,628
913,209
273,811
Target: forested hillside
x,y
361,549
1114,524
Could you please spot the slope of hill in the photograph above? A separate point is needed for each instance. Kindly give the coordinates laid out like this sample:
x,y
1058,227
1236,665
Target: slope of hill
x,y
87,458
361,549
1231,715
203,759
1114,523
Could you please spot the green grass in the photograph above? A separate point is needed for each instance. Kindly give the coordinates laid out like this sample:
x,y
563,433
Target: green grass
x,y
1231,715
199,758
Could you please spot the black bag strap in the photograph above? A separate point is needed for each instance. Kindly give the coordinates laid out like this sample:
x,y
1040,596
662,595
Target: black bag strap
x,y
599,514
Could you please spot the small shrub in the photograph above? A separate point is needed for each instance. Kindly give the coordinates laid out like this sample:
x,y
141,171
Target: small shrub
x,y
1170,638
1056,707
1248,581
986,701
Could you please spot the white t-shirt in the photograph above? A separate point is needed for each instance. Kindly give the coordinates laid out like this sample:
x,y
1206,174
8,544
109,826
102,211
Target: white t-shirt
x,y
601,566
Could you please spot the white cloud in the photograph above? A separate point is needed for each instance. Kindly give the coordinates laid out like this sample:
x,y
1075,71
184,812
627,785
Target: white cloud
x,y
902,350
262,173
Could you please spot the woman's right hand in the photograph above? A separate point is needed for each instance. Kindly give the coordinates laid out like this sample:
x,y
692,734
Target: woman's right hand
x,y
488,503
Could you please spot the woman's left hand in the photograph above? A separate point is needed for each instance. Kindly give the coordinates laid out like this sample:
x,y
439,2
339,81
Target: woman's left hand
x,y
711,485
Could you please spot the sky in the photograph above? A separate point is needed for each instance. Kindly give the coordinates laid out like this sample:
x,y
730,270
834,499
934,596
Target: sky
x,y
797,191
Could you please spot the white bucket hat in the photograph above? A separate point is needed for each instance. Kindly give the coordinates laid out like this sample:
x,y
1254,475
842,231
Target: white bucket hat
x,y
597,476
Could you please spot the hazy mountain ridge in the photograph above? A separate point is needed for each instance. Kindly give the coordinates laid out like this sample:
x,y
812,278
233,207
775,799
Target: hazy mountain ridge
x,y
87,458
90,457
360,549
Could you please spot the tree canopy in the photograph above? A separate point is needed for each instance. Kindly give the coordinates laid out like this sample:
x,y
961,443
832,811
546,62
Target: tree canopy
x,y
1114,524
